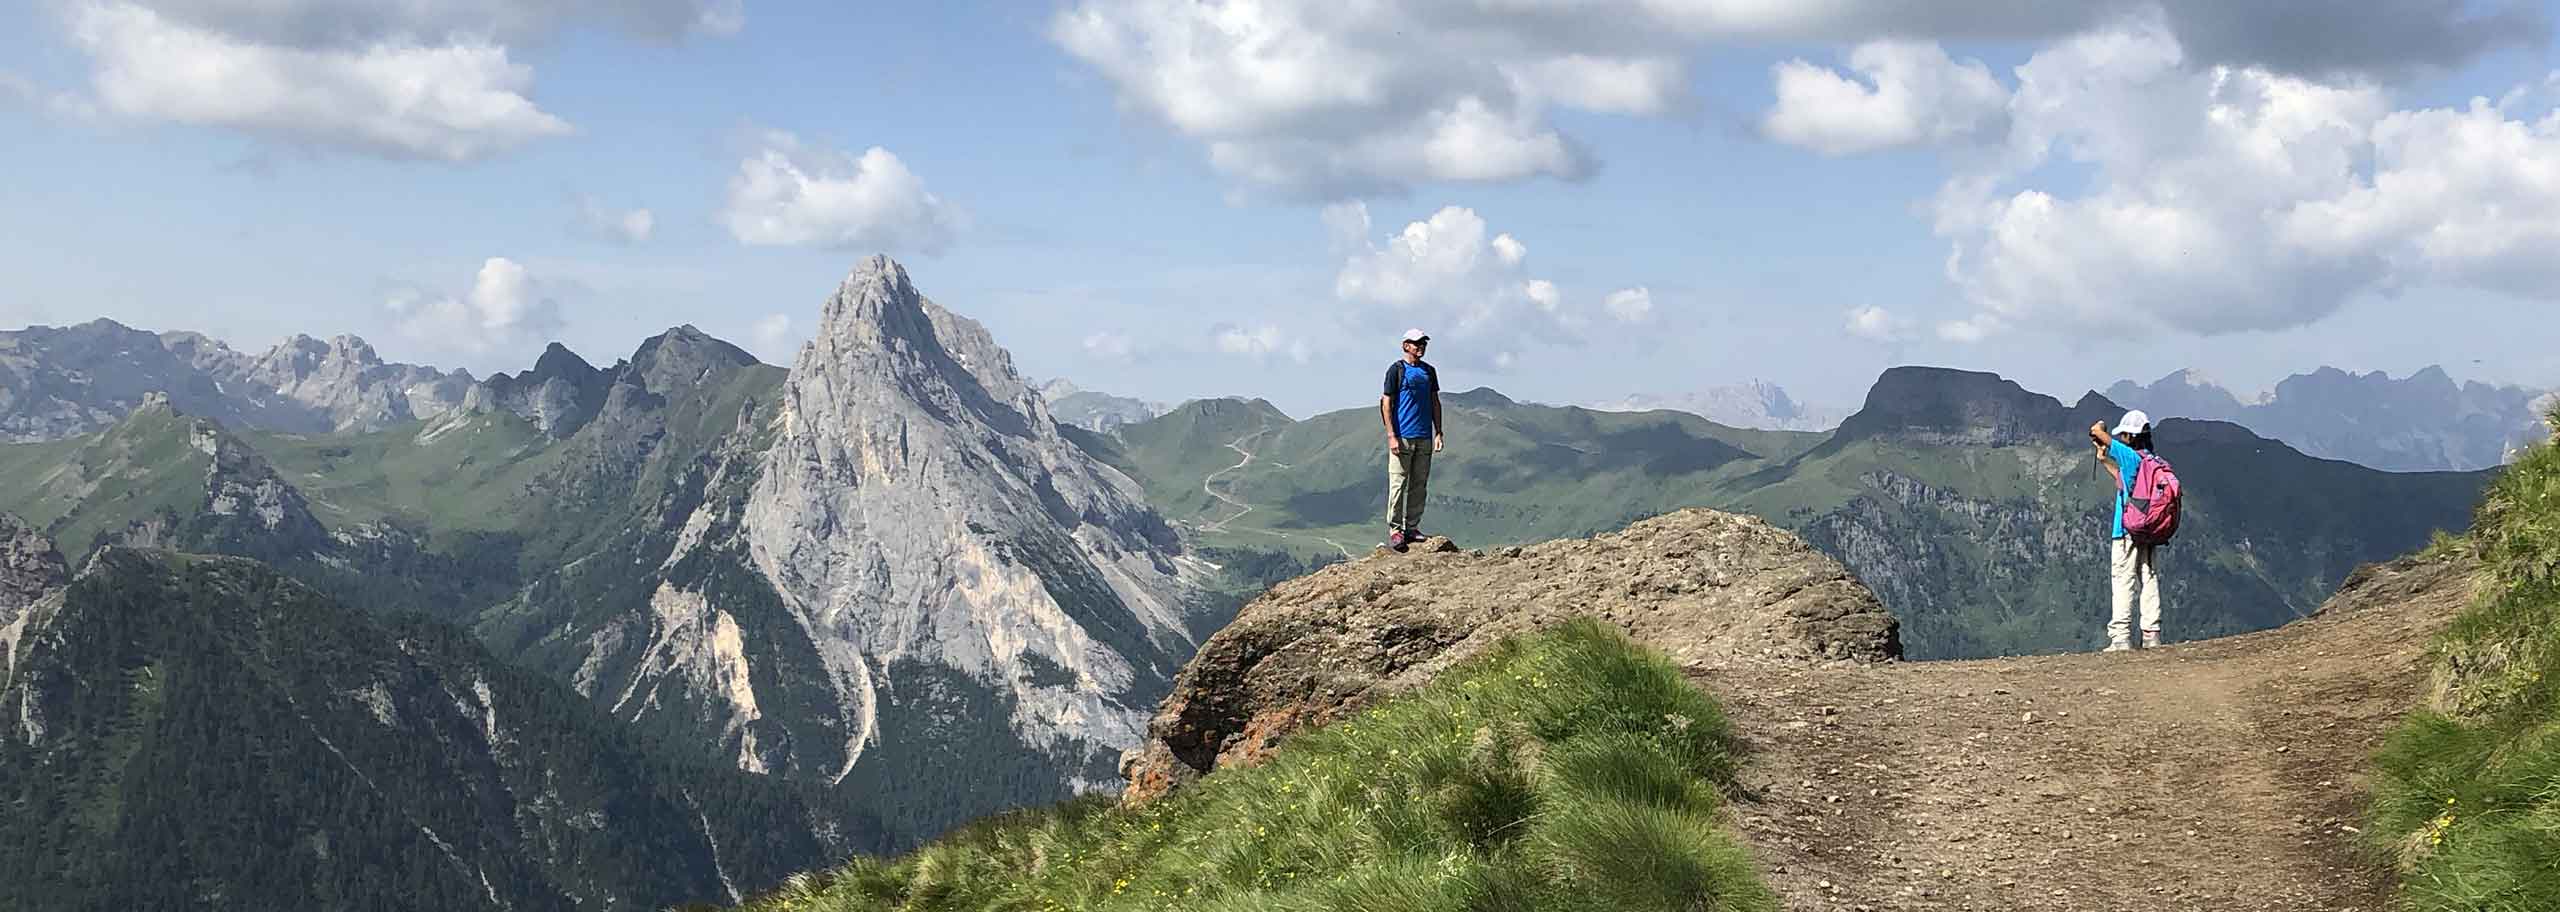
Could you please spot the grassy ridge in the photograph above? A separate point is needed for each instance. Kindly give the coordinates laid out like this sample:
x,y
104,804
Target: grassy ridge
x,y
1572,770
2467,796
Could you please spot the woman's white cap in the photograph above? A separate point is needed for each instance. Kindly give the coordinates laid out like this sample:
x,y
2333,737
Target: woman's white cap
x,y
2134,422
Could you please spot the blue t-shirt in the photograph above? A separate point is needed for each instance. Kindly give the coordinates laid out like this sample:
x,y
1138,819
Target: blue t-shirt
x,y
1415,389
2129,464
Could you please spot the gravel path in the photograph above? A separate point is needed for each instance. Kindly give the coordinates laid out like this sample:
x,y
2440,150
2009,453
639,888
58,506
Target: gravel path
x,y
2219,775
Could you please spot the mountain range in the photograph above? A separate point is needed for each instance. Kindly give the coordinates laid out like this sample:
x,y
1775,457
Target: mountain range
x,y
880,580
2424,422
1972,506
664,630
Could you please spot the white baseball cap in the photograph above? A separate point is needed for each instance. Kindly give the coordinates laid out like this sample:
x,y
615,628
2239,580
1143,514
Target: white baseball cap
x,y
2134,422
1416,335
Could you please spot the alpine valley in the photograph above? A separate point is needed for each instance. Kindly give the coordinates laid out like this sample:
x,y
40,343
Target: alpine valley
x,y
313,630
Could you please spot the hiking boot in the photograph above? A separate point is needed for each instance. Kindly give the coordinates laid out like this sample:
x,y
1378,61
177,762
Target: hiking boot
x,y
2119,645
2151,639
1396,539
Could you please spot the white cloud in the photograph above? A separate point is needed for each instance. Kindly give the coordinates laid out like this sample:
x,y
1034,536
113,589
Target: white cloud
x,y
504,308
1629,305
1333,99
454,102
1906,93
771,337
1261,343
795,193
418,79
1875,323
2213,198
1470,287
620,226
1109,346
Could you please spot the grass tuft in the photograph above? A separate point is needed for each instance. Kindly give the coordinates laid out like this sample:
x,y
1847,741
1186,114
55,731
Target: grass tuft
x,y
1567,771
2467,792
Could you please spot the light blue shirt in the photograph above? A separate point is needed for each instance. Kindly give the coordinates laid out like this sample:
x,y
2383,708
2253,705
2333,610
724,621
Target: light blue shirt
x,y
2129,463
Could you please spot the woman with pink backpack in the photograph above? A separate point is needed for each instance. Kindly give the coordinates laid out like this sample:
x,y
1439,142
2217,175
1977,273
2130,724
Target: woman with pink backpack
x,y
2146,516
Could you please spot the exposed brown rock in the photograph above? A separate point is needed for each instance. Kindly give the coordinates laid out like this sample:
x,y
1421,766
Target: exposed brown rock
x,y
1708,588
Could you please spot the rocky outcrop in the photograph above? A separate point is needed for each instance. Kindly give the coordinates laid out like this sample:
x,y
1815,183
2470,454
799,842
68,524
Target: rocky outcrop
x,y
1707,588
918,506
58,382
29,569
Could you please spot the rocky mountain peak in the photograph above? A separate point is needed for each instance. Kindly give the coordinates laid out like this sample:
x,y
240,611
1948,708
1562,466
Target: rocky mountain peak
x,y
1708,588
1967,407
684,355
918,505
559,395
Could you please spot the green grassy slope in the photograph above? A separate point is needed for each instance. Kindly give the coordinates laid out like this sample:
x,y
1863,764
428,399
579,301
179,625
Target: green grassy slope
x,y
79,489
1568,771
2467,792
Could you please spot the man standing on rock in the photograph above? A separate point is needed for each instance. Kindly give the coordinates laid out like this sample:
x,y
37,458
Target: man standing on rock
x,y
1410,408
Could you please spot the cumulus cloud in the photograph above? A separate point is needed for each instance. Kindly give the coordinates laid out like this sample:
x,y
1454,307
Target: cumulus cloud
x,y
1903,93
2213,198
454,102
1261,343
430,79
794,193
1334,100
1875,323
505,307
1470,287
616,225
1629,305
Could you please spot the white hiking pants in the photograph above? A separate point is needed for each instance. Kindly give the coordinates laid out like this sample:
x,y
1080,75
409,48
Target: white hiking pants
x,y
2135,573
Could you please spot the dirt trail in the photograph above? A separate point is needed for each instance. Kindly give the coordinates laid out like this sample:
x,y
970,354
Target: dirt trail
x,y
2219,775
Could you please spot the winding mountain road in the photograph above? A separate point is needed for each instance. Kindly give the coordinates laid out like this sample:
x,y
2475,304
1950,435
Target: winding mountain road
x,y
1210,487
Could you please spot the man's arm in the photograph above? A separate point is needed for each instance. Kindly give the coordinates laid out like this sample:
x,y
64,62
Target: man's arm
x,y
1387,416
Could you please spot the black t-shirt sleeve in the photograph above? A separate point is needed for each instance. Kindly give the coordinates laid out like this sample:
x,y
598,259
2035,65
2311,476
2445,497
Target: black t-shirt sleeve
x,y
1393,381
1434,374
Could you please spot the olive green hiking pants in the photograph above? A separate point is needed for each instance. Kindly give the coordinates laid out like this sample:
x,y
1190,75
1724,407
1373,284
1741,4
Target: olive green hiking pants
x,y
1408,480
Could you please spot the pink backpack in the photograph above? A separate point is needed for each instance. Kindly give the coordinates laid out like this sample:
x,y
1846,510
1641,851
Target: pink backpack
x,y
2151,508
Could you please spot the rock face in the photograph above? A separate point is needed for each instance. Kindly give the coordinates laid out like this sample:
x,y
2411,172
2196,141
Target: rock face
x,y
918,507
559,395
2422,423
29,569
1705,587
1758,404
58,382
345,384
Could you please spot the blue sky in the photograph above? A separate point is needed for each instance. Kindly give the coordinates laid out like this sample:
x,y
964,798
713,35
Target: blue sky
x,y
1171,200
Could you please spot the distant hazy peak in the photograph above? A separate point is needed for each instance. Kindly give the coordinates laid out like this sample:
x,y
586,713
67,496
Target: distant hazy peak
x,y
2426,421
1758,404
